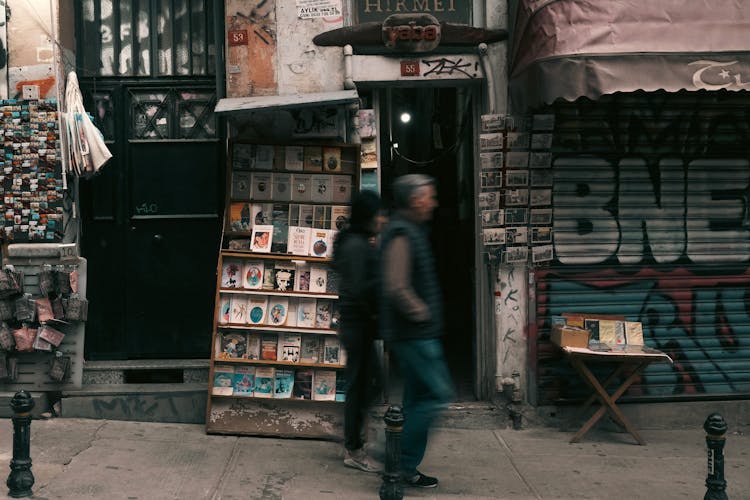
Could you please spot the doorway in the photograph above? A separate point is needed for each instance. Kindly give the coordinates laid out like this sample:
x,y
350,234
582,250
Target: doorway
x,y
151,222
429,130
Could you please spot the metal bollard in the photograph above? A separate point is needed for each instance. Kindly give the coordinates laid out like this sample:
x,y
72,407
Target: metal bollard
x,y
392,489
21,479
716,429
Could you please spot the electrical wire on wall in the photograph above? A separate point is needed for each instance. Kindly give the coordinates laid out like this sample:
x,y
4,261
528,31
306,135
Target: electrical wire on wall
x,y
450,150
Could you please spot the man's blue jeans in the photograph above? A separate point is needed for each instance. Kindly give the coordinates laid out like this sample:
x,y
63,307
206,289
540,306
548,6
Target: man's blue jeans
x,y
428,388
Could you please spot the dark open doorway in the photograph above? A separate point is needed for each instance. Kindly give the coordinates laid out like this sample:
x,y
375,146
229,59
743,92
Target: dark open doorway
x,y
435,139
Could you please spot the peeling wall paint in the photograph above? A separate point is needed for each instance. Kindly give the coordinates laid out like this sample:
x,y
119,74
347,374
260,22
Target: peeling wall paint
x,y
30,48
252,65
303,66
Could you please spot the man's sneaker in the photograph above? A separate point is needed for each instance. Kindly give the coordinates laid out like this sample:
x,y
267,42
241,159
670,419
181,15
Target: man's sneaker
x,y
358,459
419,480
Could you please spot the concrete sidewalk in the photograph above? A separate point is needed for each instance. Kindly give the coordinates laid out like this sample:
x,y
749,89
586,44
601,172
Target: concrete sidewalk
x,y
106,459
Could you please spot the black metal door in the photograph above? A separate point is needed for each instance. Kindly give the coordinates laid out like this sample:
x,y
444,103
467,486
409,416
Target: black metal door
x,y
151,224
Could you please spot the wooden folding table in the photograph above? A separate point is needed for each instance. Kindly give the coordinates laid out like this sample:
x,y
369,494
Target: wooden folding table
x,y
632,359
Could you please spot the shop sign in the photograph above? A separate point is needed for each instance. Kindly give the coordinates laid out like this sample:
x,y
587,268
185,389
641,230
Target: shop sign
x,y
407,33
451,11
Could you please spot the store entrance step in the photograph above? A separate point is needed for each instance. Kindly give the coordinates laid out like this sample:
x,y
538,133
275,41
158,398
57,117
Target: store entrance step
x,y
168,403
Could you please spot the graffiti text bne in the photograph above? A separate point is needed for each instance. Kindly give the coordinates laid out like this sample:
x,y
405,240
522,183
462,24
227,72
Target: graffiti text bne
x,y
699,210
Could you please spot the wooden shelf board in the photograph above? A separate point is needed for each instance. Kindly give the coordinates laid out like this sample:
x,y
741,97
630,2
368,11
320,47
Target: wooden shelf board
x,y
254,398
277,329
279,363
279,256
279,293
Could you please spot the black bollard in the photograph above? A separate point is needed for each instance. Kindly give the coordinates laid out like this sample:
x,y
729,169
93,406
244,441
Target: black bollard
x,y
716,429
21,479
392,489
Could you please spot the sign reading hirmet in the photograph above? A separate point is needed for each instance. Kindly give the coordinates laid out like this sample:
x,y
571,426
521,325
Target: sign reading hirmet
x,y
452,11
411,33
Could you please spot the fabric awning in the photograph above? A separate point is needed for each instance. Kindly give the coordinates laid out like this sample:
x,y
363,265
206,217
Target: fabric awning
x,y
573,48
238,106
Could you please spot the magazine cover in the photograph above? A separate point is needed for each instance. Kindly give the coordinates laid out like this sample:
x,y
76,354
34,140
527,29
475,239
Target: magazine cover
x,y
269,276
284,276
261,238
233,345
231,274
340,217
262,186
244,381
302,277
240,185
342,189
331,347
306,216
268,346
223,380
318,279
225,309
303,382
239,309
240,216
310,350
323,314
280,225
633,333
289,347
294,158
278,307
257,306
324,385
283,383
282,187
264,377
313,159
253,346
322,188
301,187
252,274
299,240
321,217
306,311
331,159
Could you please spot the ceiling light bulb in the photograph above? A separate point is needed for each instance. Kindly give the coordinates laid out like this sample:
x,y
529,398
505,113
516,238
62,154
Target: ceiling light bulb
x,y
405,117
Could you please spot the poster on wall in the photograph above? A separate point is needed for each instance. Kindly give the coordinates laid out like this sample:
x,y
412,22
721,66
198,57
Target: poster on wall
x,y
311,9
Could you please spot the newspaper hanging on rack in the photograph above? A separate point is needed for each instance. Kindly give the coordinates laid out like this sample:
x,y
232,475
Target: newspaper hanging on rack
x,y
87,153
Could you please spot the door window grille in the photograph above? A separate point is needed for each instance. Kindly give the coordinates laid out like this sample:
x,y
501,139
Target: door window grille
x,y
154,38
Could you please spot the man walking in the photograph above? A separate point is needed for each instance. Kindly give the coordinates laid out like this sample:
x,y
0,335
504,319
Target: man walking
x,y
411,318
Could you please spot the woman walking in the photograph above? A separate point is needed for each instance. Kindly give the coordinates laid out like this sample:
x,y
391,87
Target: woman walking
x,y
356,262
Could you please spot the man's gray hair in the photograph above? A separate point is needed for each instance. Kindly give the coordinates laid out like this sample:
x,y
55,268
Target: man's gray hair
x,y
406,186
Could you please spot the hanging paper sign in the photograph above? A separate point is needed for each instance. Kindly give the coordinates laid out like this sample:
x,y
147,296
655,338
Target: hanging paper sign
x,y
310,9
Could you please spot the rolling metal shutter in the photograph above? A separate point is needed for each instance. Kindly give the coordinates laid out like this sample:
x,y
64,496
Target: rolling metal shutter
x,y
651,207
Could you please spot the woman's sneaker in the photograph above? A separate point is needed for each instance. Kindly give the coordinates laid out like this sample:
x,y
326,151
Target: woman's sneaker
x,y
358,459
419,480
